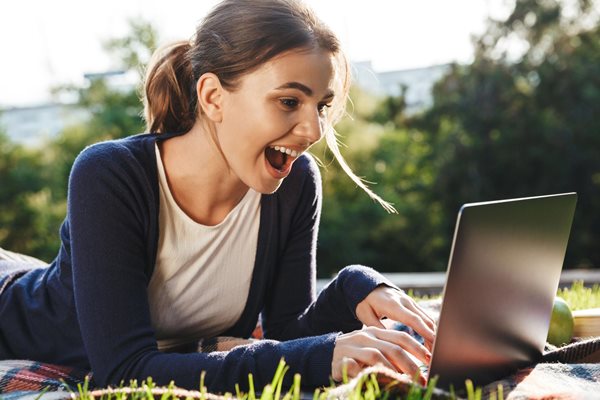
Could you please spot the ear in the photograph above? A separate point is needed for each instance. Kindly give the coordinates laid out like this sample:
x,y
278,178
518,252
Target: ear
x,y
210,96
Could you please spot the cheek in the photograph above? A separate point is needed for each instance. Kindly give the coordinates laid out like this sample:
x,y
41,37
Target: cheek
x,y
243,117
250,125
262,127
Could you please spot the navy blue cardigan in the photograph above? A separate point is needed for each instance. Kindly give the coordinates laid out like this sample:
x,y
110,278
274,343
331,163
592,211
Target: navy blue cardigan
x,y
89,308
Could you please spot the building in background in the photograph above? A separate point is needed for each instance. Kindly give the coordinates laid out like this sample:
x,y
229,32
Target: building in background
x,y
418,82
34,124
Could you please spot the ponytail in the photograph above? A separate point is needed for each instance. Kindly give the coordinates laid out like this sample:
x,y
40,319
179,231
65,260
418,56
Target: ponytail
x,y
169,90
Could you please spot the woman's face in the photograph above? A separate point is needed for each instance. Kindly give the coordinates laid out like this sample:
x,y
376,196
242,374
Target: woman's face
x,y
275,114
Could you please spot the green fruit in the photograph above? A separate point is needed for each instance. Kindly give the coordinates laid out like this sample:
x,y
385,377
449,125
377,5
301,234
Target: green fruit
x,y
561,323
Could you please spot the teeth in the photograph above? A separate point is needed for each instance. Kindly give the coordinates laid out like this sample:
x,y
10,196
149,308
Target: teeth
x,y
285,150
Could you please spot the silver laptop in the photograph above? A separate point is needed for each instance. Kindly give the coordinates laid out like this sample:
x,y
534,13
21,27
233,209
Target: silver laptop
x,y
502,276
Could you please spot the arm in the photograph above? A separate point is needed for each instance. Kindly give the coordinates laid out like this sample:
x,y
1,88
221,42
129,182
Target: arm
x,y
109,233
292,309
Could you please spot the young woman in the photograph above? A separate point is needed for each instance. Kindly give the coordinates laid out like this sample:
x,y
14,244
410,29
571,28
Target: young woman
x,y
209,221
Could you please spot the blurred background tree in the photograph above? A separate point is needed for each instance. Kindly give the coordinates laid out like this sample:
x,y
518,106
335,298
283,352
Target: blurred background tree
x,y
396,158
520,120
34,180
519,124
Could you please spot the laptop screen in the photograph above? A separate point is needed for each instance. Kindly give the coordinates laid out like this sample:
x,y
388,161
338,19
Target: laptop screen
x,y
502,276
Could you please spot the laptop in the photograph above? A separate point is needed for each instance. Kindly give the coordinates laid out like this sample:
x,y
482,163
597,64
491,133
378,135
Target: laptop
x,y
502,276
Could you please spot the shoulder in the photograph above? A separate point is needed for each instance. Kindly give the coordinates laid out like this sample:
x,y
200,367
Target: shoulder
x,y
116,152
123,167
130,158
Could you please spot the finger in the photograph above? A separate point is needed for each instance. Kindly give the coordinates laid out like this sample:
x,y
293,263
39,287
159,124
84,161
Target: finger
x,y
373,346
429,345
417,309
372,356
371,319
408,317
399,357
352,367
425,315
395,346
401,307
420,379
429,322
406,342
409,303
347,365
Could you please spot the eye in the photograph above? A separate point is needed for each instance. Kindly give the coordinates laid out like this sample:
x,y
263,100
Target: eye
x,y
289,103
323,107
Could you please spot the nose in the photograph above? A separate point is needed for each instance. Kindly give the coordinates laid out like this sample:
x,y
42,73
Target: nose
x,y
311,126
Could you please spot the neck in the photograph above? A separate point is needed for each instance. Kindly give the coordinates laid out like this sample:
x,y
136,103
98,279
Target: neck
x,y
199,178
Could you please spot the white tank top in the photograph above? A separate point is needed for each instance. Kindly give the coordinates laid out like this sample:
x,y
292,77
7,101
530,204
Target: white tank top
x,y
202,275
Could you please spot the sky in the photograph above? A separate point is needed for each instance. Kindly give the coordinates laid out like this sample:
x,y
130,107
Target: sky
x,y
46,43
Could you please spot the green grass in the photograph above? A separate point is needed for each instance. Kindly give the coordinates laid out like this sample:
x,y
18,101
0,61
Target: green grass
x,y
580,297
366,388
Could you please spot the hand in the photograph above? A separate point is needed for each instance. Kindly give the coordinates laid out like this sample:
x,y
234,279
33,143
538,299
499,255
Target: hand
x,y
370,346
394,304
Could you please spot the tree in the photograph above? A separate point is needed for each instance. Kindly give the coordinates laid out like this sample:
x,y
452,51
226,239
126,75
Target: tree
x,y
27,212
34,181
117,111
512,125
356,230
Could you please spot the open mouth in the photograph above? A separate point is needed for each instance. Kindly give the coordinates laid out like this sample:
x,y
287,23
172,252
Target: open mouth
x,y
280,157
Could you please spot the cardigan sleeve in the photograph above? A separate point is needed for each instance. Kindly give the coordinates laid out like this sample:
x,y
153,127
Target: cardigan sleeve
x,y
292,308
108,207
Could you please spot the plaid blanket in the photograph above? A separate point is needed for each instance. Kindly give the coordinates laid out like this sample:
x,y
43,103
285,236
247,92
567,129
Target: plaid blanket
x,y
21,379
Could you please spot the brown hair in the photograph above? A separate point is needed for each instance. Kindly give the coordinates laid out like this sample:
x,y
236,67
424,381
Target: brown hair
x,y
234,39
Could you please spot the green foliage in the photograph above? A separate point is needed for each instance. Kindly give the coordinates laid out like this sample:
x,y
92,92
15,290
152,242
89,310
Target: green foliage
x,y
505,128
391,110
397,160
508,125
115,113
29,216
135,49
34,181
366,387
148,390
580,297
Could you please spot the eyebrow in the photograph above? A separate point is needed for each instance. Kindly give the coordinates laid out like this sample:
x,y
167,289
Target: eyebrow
x,y
303,88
